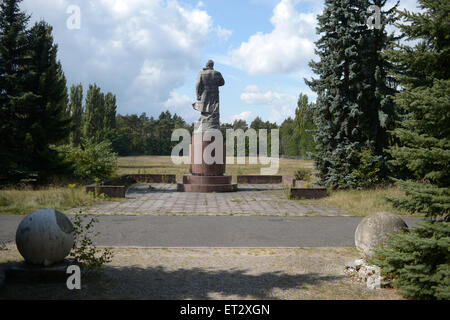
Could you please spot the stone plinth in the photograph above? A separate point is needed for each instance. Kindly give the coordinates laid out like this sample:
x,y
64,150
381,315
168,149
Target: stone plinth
x,y
308,193
205,177
259,179
198,165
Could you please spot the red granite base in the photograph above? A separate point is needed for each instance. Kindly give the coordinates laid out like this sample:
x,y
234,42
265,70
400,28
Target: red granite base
x,y
205,177
209,188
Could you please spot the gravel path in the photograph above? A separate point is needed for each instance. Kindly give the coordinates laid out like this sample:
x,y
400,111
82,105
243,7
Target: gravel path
x,y
295,274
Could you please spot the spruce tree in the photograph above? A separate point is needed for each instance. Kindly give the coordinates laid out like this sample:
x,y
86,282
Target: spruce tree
x,y
14,96
419,261
49,121
76,111
94,120
353,111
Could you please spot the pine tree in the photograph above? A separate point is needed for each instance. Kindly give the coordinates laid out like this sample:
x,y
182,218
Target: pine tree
x,y
14,96
353,111
419,262
76,110
95,114
49,121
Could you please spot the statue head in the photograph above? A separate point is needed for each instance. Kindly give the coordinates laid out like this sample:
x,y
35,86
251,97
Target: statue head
x,y
209,64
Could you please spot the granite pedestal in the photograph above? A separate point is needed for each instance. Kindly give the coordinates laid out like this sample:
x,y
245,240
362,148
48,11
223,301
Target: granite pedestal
x,y
205,177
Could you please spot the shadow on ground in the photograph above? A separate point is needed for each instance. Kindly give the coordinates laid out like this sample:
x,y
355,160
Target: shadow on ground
x,y
158,283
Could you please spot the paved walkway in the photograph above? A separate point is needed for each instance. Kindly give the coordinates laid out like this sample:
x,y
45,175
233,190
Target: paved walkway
x,y
192,231
255,216
250,200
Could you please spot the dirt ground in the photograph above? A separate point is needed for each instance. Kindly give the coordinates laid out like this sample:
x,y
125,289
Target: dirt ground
x,y
149,273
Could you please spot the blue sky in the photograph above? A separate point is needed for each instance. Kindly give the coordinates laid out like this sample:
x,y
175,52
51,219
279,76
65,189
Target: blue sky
x,y
149,52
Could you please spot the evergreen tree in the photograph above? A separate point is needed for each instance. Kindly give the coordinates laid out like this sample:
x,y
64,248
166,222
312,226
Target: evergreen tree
x,y
94,114
419,262
76,111
49,121
424,133
353,112
14,96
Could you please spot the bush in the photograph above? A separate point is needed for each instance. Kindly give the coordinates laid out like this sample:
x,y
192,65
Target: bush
x,y
303,174
91,161
418,262
368,172
83,251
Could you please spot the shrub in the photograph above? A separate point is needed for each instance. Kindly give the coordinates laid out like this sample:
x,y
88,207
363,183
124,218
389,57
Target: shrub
x,y
303,174
83,251
367,174
418,262
92,160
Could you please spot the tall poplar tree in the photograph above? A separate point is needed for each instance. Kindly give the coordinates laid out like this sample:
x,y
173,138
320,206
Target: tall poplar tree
x,y
353,111
76,110
110,111
302,137
94,120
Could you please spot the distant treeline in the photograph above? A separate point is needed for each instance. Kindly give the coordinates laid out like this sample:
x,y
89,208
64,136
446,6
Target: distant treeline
x,y
143,135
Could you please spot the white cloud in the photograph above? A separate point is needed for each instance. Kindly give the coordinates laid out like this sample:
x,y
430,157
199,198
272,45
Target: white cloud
x,y
256,95
223,33
182,104
281,113
286,49
245,115
140,50
282,104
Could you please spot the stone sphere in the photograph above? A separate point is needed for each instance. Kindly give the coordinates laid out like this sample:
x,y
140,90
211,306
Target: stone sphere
x,y
45,237
374,229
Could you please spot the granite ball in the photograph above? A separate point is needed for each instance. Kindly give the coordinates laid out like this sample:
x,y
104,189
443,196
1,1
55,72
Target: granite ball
x,y
374,229
45,237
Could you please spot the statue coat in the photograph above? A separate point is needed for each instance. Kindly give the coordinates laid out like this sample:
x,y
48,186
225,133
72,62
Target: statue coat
x,y
207,88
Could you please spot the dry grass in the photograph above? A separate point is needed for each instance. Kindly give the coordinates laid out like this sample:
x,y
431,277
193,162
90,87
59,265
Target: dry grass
x,y
164,164
215,273
365,202
361,203
24,201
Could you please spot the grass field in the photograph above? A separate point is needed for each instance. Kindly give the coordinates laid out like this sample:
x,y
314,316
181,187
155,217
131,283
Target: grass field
x,y
164,164
26,200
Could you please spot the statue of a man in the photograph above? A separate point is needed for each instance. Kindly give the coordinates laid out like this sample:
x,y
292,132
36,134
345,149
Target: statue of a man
x,y
207,88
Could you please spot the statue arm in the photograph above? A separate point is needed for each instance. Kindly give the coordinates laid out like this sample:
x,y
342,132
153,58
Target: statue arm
x,y
221,81
199,87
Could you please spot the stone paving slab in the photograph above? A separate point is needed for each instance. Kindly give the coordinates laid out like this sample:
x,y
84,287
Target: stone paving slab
x,y
249,200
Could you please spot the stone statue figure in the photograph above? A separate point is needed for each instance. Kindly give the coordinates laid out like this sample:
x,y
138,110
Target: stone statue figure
x,y
207,88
